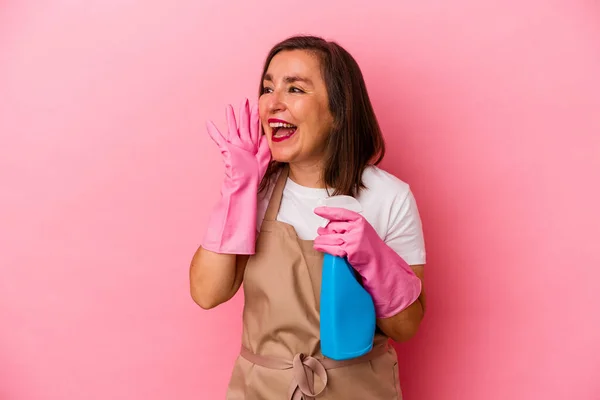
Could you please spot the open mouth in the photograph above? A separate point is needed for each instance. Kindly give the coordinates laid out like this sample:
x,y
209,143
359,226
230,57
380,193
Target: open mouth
x,y
282,130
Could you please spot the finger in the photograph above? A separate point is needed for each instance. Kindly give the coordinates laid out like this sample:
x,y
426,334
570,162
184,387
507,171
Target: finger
x,y
244,122
332,239
337,214
231,124
214,133
255,124
333,250
334,227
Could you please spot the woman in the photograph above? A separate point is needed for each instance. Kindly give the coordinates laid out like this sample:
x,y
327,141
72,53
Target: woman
x,y
319,138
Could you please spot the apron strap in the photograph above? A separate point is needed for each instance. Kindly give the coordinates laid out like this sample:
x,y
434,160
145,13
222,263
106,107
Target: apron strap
x,y
275,200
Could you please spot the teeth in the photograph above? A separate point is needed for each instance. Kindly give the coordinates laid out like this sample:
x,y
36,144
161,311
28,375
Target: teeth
x,y
281,125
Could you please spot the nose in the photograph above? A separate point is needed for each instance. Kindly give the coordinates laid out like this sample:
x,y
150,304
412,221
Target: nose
x,y
275,102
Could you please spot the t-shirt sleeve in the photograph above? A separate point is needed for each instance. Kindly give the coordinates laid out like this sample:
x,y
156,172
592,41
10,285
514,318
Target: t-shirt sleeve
x,y
405,232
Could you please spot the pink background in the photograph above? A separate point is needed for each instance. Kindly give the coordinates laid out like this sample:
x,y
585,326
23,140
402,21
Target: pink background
x,y
491,112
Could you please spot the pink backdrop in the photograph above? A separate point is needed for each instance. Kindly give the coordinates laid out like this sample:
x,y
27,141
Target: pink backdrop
x,y
491,112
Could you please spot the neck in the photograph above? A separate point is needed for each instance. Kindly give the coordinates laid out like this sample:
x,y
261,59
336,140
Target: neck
x,y
307,174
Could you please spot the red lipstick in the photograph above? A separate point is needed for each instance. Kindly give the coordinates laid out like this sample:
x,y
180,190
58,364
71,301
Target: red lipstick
x,y
274,120
284,133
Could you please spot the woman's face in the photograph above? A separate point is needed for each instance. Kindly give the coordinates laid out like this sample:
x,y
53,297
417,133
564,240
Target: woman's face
x,y
294,108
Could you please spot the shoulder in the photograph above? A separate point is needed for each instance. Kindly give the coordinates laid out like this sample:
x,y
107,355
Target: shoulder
x,y
382,197
382,186
390,207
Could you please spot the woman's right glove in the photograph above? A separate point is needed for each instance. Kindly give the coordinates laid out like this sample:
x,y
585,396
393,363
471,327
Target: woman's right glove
x,y
232,224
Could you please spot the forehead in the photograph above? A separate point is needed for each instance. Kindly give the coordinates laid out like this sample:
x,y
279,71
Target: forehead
x,y
295,62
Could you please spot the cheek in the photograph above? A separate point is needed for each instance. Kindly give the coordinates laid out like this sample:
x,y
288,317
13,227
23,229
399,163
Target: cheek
x,y
262,115
322,123
308,112
316,120
262,107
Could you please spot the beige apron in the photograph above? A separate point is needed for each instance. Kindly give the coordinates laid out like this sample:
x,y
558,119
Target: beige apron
x,y
281,357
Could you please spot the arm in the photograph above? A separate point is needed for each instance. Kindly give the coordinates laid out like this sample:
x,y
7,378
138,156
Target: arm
x,y
215,278
217,268
395,286
404,325
405,236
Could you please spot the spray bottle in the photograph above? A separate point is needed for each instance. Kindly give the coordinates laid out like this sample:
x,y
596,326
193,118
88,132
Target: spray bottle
x,y
347,321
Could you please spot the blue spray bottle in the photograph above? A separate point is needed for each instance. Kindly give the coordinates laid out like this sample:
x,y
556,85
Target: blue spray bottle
x,y
347,321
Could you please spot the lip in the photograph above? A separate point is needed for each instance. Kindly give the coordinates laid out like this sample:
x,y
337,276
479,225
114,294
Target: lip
x,y
280,139
272,120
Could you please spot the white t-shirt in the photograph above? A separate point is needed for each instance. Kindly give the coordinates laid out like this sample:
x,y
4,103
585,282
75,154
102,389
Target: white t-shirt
x,y
387,204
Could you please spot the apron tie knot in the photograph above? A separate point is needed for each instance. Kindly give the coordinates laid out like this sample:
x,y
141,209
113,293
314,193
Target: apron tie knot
x,y
305,367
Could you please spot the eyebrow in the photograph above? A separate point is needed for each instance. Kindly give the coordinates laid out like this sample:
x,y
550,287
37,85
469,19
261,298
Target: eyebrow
x,y
289,79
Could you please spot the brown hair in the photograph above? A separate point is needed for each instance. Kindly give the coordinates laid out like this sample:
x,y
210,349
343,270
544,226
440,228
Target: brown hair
x,y
356,139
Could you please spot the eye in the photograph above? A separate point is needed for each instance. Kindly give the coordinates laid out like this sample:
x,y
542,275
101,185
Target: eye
x,y
267,90
294,89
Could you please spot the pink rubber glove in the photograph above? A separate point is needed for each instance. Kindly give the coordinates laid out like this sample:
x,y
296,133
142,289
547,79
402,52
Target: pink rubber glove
x,y
232,224
389,280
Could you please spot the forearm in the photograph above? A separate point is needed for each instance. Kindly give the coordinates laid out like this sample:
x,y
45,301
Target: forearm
x,y
217,268
405,324
214,277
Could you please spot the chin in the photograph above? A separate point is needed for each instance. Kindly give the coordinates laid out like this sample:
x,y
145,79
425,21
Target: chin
x,y
284,154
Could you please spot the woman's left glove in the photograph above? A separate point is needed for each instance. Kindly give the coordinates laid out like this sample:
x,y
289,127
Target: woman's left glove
x,y
389,280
